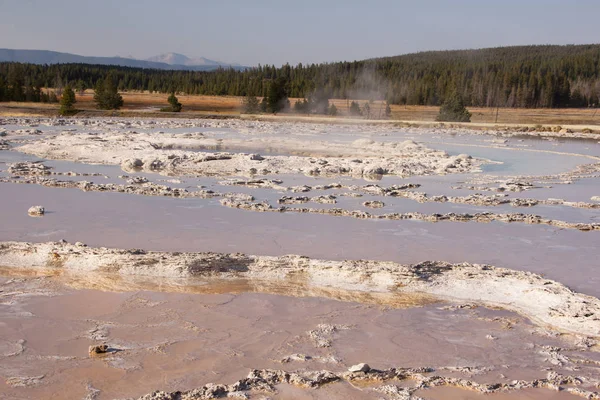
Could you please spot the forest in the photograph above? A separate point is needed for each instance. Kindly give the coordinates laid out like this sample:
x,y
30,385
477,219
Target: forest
x,y
522,76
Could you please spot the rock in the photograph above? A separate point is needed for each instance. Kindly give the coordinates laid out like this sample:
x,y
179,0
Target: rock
x,y
79,244
300,189
565,131
28,132
131,164
296,357
266,381
239,196
374,171
24,381
156,165
256,157
137,180
29,168
362,143
326,199
374,204
293,200
4,145
98,349
362,367
595,198
462,217
36,211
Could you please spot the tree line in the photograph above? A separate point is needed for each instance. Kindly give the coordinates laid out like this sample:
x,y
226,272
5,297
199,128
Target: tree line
x,y
521,76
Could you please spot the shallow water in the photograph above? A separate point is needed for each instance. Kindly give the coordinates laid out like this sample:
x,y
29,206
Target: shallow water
x,y
450,393
433,185
126,221
178,336
180,341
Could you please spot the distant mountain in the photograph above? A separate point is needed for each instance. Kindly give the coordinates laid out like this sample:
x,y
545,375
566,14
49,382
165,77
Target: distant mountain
x,y
170,61
180,59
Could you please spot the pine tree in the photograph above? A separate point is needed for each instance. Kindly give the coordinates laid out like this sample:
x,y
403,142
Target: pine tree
x,y
80,87
106,95
301,106
524,76
367,110
3,90
354,109
264,105
333,110
58,85
454,110
16,83
277,96
174,104
251,105
66,102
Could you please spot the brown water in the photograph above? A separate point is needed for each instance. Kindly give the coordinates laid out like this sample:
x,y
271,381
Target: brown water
x,y
178,341
449,393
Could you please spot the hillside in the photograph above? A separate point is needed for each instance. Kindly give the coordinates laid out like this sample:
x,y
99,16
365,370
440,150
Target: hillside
x,y
522,76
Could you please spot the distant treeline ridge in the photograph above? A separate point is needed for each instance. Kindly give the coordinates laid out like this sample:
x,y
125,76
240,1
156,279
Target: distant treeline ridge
x,y
523,76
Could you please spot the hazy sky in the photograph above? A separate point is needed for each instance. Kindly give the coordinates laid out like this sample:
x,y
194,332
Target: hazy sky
x,y
275,32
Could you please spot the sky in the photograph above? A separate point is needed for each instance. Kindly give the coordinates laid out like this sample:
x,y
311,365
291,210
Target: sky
x,y
250,32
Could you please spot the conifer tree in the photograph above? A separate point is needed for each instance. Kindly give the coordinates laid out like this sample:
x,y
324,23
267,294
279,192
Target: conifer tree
x,y
3,95
523,76
80,87
174,104
453,110
66,102
367,110
354,109
277,96
264,105
333,110
251,105
106,95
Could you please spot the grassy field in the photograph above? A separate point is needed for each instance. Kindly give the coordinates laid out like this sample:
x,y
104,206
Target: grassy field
x,y
153,102
146,104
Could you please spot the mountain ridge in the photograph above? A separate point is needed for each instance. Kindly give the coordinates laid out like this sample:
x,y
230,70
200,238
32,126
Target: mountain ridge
x,y
181,59
55,57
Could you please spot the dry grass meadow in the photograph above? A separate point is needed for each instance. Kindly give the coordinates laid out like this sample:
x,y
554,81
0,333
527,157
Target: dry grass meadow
x,y
149,104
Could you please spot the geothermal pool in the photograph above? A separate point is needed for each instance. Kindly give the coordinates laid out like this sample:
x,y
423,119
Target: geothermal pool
x,y
178,319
